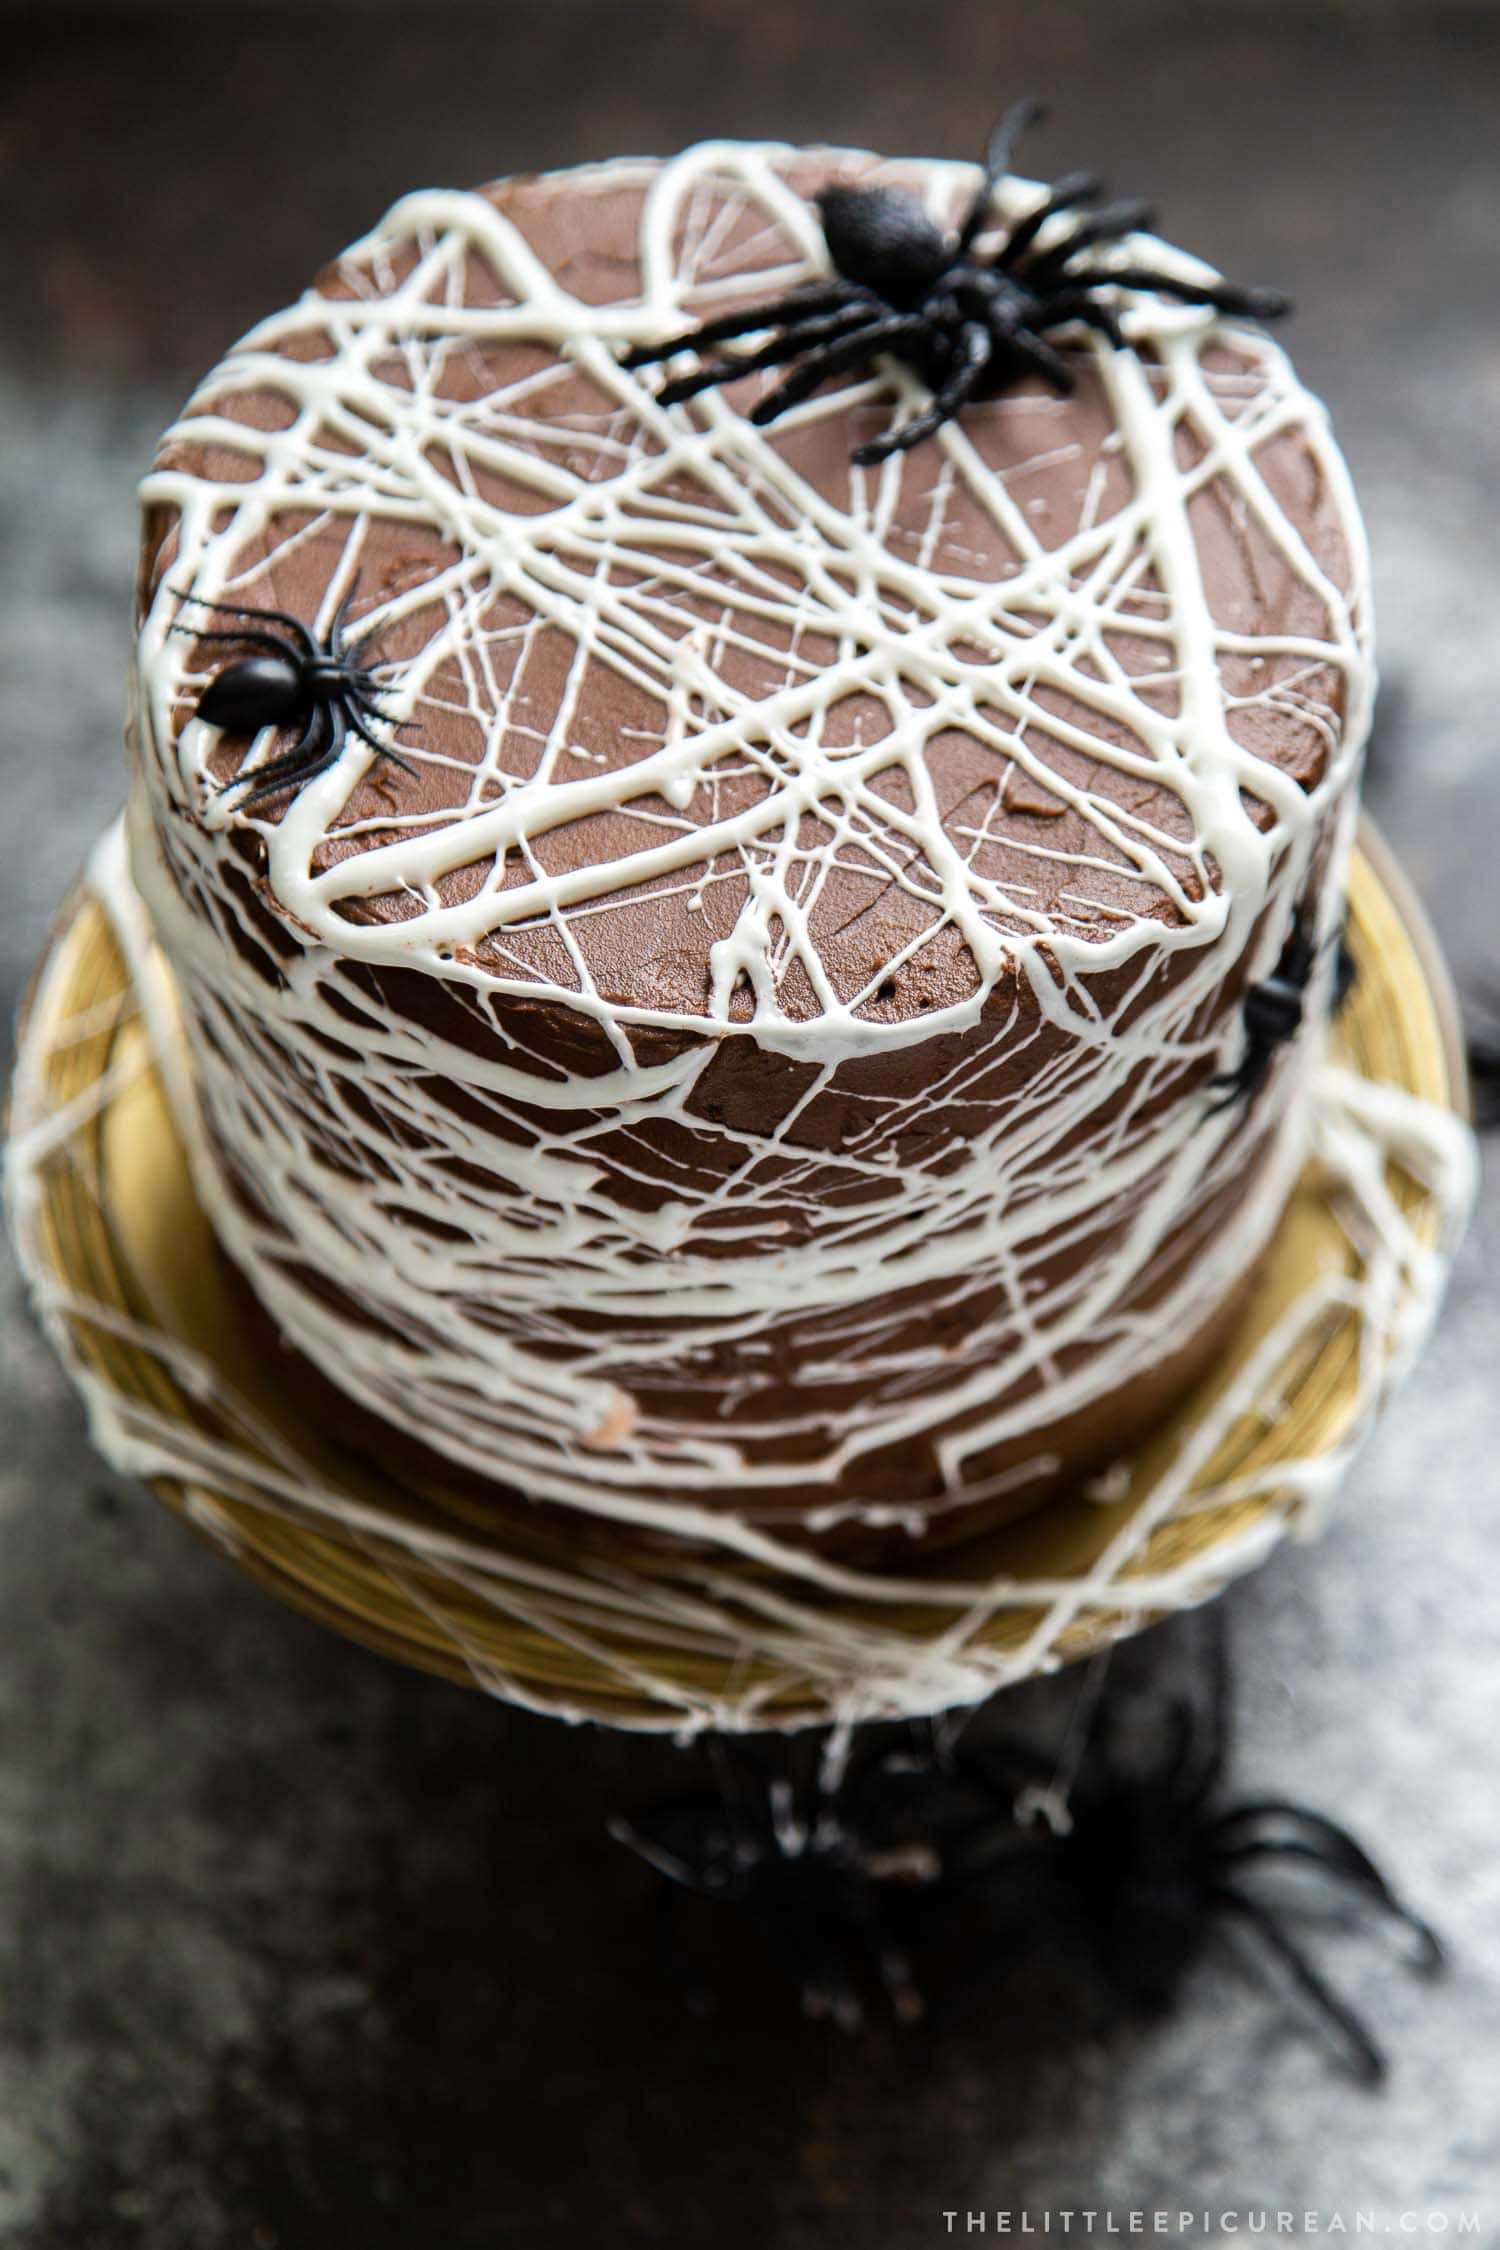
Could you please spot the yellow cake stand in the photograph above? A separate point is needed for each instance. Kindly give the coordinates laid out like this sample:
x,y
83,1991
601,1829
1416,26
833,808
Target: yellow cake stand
x,y
566,1614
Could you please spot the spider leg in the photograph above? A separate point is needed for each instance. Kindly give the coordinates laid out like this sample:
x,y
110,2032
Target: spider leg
x,y
828,1943
677,1973
967,1817
288,761
311,754
1177,1776
1065,195
1107,225
1233,1086
244,639
1204,1751
806,336
674,1872
367,690
845,351
351,715
264,616
1430,1954
879,1940
1075,304
1017,118
368,700
1366,2056
336,629
1311,1835
1005,318
977,350
1224,296
817,297
711,1880
1037,353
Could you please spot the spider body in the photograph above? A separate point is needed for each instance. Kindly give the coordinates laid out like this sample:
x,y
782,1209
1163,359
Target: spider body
x,y
968,325
1271,1014
289,678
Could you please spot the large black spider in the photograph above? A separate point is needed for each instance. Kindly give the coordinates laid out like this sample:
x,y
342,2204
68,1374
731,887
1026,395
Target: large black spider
x,y
968,326
1136,1855
291,679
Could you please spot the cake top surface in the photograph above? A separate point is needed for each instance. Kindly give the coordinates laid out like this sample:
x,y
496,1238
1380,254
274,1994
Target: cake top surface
x,y
702,723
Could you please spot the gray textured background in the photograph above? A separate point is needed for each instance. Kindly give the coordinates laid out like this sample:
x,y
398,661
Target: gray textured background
x,y
299,1950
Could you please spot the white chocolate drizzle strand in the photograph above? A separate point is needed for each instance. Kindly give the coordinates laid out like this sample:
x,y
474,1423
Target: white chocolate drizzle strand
x,y
577,1280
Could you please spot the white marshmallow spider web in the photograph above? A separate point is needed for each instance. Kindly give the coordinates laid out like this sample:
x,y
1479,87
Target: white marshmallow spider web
x,y
481,1315
671,548
811,1638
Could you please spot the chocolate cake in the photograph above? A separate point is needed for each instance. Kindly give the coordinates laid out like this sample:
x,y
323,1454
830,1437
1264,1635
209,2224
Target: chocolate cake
x,y
752,985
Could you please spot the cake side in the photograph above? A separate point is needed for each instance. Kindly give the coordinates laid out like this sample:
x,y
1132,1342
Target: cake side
x,y
758,1052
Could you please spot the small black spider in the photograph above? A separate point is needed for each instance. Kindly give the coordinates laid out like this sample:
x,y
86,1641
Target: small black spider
x,y
1482,1048
1145,1860
967,326
291,680
1272,1013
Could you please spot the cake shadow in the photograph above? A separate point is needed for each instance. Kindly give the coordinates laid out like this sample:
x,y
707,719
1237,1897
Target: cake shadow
x,y
460,2021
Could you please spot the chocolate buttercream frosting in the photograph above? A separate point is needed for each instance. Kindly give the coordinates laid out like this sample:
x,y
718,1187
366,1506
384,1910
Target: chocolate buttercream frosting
x,y
747,1070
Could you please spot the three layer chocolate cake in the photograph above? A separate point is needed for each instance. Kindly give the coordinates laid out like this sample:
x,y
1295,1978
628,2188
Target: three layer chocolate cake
x,y
726,980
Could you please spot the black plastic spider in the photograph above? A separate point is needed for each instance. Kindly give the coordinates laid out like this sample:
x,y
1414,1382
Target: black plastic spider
x,y
1272,1012
1482,1047
1143,1858
1137,1854
967,326
292,679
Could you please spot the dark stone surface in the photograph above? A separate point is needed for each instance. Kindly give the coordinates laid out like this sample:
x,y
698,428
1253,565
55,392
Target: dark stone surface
x,y
301,1950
